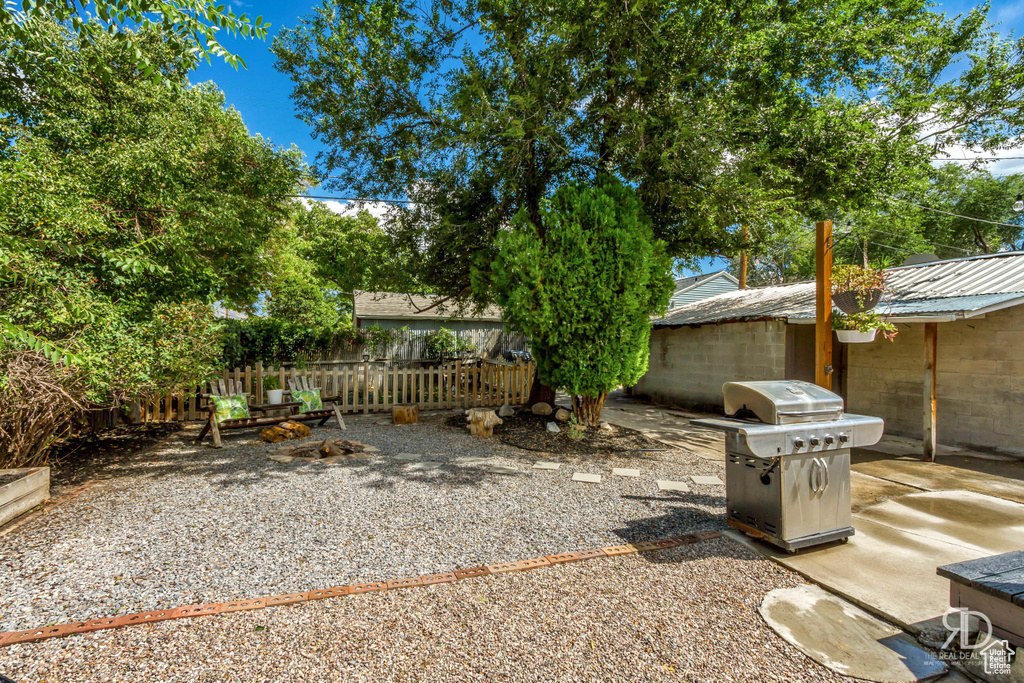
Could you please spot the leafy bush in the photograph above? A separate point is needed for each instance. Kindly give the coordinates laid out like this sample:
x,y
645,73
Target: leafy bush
x,y
273,341
446,344
583,286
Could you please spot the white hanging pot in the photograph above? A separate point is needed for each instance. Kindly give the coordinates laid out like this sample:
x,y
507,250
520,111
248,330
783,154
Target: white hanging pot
x,y
275,395
856,337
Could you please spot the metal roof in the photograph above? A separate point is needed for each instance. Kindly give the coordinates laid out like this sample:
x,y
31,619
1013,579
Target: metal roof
x,y
395,306
940,290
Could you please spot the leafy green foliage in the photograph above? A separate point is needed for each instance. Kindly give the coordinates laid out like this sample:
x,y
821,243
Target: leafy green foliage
x,y
195,24
747,115
446,344
584,293
273,341
346,252
126,208
864,322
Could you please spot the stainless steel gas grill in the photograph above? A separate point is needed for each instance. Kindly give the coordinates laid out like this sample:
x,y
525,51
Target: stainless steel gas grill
x,y
787,474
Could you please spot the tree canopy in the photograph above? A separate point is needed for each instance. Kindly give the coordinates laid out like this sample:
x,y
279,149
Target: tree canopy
x,y
718,116
127,207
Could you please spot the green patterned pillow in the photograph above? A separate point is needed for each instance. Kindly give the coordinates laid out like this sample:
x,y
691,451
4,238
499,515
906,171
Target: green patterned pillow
x,y
231,407
310,400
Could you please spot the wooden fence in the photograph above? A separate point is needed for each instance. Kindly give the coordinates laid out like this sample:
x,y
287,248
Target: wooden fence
x,y
366,387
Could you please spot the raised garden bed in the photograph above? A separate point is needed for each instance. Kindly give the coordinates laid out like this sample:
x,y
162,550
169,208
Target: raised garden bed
x,y
21,490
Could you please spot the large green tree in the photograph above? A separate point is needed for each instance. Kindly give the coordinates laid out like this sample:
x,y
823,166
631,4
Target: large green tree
x,y
127,207
583,283
718,115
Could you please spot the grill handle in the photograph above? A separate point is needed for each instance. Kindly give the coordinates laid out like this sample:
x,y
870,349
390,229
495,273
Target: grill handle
x,y
797,413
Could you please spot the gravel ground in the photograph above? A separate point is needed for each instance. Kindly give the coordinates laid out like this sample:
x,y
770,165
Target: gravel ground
x,y
186,524
685,614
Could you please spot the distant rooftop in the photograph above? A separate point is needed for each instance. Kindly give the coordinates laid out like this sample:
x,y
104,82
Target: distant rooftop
x,y
939,290
397,306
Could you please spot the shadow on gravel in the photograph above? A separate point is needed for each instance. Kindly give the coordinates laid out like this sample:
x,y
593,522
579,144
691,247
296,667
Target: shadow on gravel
x,y
691,515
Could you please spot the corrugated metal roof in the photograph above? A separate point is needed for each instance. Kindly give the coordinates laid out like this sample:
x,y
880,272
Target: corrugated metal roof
x,y
958,288
392,305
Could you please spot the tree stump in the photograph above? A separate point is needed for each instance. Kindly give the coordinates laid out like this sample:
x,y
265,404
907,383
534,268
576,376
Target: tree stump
x,y
404,415
482,422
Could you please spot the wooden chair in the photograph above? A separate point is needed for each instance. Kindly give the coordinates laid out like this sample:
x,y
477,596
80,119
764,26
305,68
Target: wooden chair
x,y
229,387
306,384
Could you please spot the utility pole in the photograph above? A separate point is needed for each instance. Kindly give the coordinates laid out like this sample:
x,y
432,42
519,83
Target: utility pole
x,y
743,260
823,305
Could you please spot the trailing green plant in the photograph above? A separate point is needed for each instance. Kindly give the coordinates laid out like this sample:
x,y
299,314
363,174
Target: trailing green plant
x,y
854,278
864,322
575,430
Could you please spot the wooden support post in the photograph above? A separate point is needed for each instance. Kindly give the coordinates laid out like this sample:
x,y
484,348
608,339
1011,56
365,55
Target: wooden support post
x,y
743,259
929,433
823,306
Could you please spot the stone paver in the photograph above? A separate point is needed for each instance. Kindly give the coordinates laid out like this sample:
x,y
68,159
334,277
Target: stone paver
x,y
625,472
424,465
700,480
546,465
502,469
667,485
587,478
845,638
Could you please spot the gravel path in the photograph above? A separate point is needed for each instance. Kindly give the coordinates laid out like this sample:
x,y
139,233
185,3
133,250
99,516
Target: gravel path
x,y
686,614
190,524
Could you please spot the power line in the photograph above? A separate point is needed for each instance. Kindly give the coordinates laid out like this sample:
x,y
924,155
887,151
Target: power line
x,y
956,215
934,244
349,199
973,158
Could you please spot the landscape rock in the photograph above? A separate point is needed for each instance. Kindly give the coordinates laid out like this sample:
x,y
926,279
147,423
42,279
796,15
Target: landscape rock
x,y
482,422
562,415
606,427
506,410
284,459
541,408
553,427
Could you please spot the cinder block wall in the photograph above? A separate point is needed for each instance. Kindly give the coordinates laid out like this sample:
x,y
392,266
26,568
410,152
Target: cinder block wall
x,y
688,365
980,384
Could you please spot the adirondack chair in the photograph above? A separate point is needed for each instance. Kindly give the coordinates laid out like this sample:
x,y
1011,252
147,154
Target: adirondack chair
x,y
306,384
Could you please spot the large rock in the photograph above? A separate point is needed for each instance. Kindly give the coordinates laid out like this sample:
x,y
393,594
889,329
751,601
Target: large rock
x,y
506,410
541,408
562,415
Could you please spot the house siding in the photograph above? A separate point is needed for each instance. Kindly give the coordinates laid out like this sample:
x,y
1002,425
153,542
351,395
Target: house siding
x,y
688,365
980,382
709,288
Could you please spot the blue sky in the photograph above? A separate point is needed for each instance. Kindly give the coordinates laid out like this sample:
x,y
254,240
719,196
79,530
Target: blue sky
x,y
261,93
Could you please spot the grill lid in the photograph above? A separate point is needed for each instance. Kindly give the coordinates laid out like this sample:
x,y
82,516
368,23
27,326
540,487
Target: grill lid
x,y
782,401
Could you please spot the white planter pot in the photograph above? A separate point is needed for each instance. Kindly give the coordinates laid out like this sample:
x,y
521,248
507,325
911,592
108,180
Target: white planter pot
x,y
31,488
855,337
275,395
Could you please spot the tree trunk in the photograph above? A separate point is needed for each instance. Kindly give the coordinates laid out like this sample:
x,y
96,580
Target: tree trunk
x,y
587,409
540,393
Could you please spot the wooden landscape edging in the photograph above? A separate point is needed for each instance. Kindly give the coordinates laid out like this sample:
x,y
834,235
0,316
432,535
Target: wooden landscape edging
x,y
249,604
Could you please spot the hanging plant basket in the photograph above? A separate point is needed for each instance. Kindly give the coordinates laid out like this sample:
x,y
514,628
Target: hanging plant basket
x,y
857,300
856,336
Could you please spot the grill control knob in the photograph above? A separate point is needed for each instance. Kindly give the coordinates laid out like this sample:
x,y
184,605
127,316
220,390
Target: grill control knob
x,y
798,443
829,439
815,441
843,438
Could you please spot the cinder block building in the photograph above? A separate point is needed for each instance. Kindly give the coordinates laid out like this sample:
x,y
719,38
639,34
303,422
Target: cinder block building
x,y
975,304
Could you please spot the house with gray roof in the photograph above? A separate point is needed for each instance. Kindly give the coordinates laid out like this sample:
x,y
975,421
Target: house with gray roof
x,y
696,287
419,315
977,304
